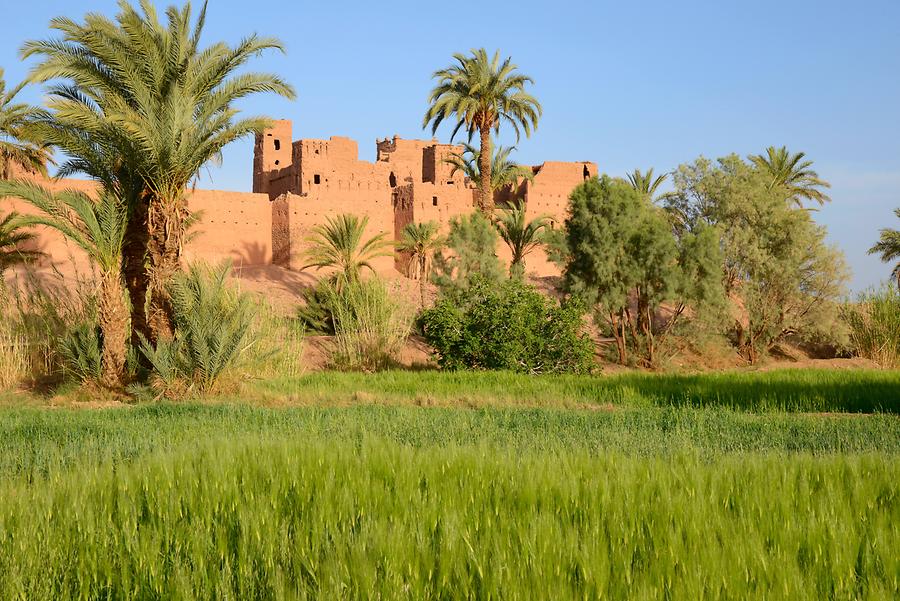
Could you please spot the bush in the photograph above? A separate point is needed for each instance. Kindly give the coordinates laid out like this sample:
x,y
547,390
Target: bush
x,y
472,243
212,331
508,326
82,351
370,327
38,317
875,326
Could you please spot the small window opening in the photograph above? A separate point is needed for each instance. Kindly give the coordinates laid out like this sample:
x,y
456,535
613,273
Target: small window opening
x,y
587,173
317,151
392,180
434,201
450,182
277,144
317,179
277,163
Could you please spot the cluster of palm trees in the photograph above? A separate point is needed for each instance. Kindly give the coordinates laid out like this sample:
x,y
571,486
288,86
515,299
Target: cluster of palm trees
x,y
138,105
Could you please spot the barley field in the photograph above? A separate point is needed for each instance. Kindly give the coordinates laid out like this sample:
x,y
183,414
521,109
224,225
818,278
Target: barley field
x,y
583,498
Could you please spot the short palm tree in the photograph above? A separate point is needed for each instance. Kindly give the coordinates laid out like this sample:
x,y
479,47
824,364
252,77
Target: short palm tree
x,y
98,228
795,174
17,147
481,92
503,170
12,238
645,183
522,236
421,241
888,246
150,88
338,244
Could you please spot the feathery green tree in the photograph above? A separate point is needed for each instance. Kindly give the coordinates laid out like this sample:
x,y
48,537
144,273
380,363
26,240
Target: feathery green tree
x,y
776,259
167,103
888,246
421,241
625,261
794,174
97,226
481,92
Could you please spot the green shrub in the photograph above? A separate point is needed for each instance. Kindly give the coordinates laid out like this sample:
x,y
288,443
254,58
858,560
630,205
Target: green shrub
x,y
316,313
370,326
875,326
212,331
508,326
82,351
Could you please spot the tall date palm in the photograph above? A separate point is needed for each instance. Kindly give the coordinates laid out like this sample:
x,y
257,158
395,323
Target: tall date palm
x,y
480,92
170,104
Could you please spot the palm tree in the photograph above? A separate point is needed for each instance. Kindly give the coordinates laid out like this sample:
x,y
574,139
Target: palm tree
x,y
520,235
645,183
503,171
98,228
792,172
17,148
888,246
421,241
12,237
168,104
480,92
338,244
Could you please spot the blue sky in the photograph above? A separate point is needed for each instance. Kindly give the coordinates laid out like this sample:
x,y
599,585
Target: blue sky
x,y
627,85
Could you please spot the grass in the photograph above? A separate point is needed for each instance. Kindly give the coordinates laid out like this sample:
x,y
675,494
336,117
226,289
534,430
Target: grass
x,y
853,391
318,518
612,487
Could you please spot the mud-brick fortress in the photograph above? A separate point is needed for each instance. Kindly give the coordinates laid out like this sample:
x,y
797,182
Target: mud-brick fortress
x,y
298,184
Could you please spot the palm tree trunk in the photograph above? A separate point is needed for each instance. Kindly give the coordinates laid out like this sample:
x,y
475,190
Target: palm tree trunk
x,y
165,226
484,168
112,314
134,268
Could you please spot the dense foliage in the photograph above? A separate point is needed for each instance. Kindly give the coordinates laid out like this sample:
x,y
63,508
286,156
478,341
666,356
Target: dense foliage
x,y
787,280
626,262
508,326
471,249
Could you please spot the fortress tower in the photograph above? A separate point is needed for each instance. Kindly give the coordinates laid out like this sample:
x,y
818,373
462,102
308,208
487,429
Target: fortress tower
x,y
272,157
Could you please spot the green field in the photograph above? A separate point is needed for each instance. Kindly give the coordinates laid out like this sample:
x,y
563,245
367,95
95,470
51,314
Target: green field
x,y
597,488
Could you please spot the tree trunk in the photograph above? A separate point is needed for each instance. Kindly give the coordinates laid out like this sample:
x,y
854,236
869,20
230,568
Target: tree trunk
x,y
484,168
165,225
112,314
134,269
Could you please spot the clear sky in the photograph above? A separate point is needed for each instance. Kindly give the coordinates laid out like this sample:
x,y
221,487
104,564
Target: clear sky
x,y
625,84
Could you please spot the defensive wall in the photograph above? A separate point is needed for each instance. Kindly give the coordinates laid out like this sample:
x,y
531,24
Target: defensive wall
x,y
298,184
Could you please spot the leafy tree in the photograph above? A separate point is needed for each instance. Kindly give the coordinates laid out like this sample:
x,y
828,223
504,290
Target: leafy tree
x,y
790,171
12,238
481,92
421,241
507,325
522,236
625,261
338,244
98,228
504,172
18,148
472,246
165,102
776,261
645,183
888,246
